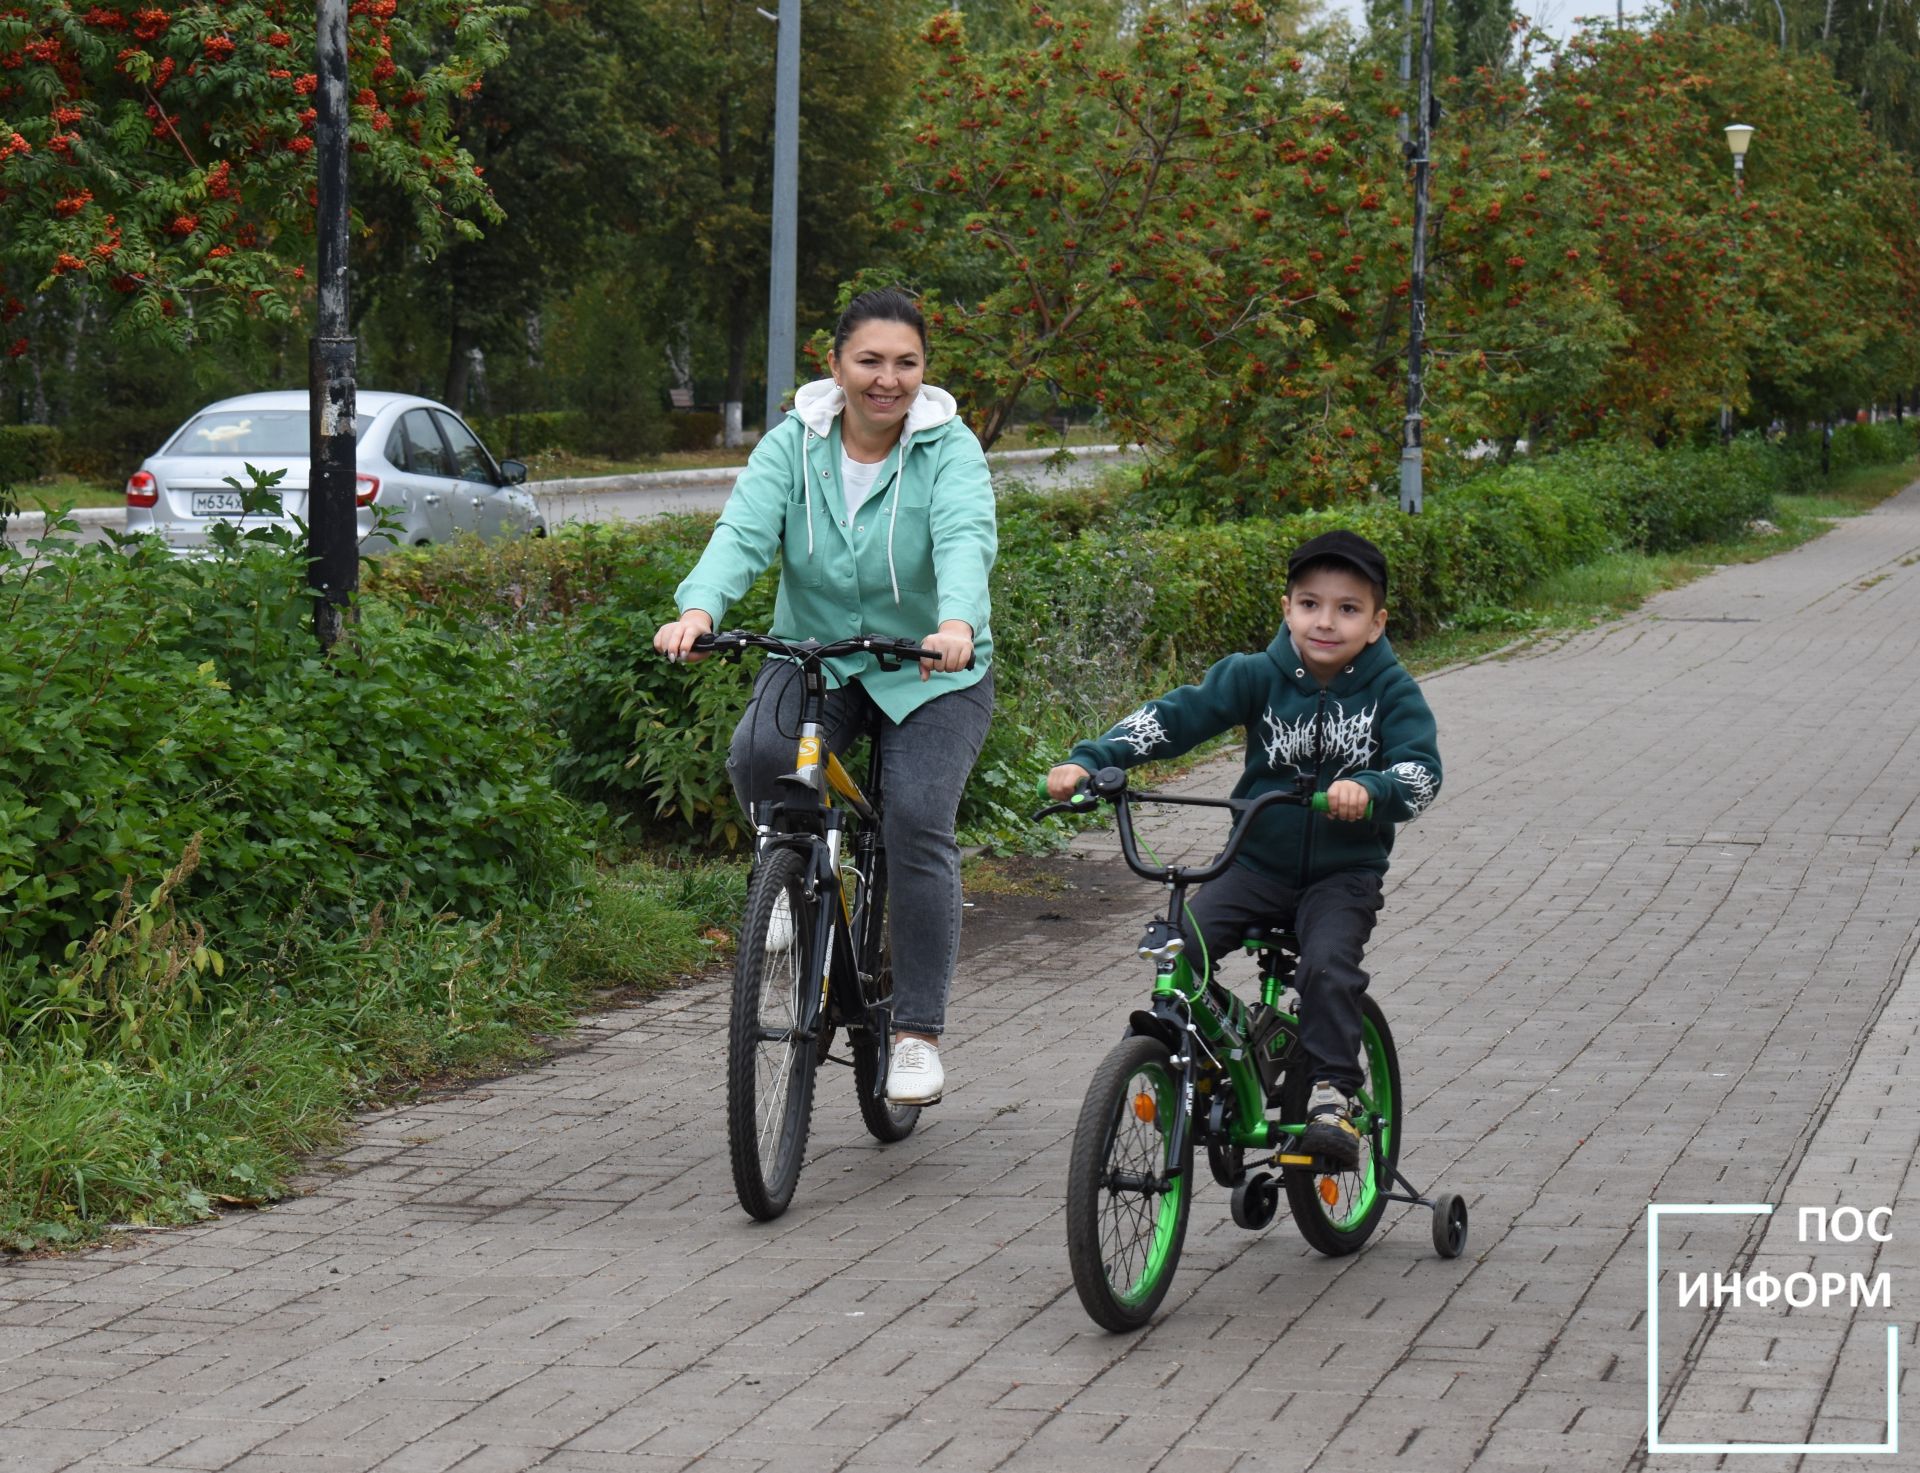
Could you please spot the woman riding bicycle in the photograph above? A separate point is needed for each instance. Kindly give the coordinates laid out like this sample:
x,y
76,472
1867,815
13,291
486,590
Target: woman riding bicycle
x,y
878,501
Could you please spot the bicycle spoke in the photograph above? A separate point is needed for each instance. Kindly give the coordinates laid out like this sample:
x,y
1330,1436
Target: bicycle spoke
x,y
1134,1198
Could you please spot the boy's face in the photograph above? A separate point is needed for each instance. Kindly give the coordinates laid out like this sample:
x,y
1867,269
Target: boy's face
x,y
1332,617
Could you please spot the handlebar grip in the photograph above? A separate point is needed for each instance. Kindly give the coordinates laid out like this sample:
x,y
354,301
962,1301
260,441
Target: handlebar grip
x,y
1319,805
1081,801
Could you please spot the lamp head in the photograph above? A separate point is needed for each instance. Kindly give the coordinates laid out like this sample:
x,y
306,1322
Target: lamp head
x,y
1739,135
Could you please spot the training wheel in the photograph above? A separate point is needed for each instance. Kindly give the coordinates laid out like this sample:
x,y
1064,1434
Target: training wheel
x,y
1449,1224
1255,1199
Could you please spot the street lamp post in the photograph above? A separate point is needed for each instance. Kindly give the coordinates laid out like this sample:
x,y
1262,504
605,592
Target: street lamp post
x,y
1739,135
782,310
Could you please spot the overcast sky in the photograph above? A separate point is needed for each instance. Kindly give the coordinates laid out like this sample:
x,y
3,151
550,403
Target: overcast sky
x,y
1556,16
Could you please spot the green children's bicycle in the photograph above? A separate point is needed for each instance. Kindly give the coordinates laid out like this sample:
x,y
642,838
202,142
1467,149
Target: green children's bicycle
x,y
1198,1067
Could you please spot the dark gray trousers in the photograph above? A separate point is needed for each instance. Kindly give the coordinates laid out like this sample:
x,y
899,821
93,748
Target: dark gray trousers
x,y
1333,919
924,763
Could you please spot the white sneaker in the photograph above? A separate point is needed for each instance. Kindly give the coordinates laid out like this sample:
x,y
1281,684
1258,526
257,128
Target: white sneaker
x,y
780,925
914,1075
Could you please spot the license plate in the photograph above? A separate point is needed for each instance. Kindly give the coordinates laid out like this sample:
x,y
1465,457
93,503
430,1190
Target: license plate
x,y
230,504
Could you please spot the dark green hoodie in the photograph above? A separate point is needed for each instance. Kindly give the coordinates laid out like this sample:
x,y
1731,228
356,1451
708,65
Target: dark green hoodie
x,y
1369,723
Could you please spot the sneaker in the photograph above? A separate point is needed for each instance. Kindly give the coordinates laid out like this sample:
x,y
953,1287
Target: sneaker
x,y
914,1075
1330,1133
780,926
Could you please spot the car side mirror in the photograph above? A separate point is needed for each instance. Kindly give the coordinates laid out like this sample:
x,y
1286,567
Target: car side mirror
x,y
514,471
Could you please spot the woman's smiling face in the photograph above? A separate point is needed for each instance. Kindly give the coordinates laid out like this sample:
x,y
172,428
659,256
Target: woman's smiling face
x,y
879,369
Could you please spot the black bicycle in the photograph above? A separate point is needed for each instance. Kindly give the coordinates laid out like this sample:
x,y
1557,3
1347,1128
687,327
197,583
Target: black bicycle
x,y
815,953
1197,1066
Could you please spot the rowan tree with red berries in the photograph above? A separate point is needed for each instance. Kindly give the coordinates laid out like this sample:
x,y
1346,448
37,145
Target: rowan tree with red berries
x,y
1800,296
157,155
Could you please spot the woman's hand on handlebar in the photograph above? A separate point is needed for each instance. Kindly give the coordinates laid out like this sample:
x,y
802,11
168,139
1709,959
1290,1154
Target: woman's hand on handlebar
x,y
1348,801
675,638
1065,780
954,641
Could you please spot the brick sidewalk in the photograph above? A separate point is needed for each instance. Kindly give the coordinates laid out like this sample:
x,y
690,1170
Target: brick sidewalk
x,y
1637,951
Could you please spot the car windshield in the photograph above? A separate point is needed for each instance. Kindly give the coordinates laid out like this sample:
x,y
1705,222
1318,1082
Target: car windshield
x,y
278,432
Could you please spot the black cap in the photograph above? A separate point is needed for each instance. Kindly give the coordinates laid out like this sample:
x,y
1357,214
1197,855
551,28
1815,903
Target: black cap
x,y
1342,547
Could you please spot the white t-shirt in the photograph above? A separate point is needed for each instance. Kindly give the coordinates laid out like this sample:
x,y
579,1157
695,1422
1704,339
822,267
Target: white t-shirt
x,y
856,480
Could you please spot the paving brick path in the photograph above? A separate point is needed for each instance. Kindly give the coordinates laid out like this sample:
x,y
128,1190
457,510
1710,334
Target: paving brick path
x,y
1647,947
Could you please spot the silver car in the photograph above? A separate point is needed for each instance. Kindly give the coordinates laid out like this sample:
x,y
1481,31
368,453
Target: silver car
x,y
418,466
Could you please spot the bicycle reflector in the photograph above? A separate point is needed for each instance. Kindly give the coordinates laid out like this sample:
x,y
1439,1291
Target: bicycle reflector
x,y
1329,1190
1143,1107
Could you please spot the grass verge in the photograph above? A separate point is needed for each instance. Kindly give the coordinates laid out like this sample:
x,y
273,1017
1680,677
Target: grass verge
x,y
64,491
144,1125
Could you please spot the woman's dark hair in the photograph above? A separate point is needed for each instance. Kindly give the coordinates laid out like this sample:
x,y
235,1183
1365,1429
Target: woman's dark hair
x,y
889,304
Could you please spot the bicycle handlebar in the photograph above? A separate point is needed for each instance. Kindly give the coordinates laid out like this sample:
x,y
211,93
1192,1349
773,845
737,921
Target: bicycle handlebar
x,y
734,641
1110,783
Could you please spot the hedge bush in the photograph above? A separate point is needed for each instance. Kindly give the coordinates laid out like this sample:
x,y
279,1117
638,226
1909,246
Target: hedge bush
x,y
697,429
521,435
150,705
1095,606
28,452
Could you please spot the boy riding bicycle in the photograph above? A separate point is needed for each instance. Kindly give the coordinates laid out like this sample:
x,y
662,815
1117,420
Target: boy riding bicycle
x,y
1326,700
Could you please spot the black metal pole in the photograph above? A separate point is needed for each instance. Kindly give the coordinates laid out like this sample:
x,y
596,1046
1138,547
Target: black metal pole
x,y
1412,491
333,570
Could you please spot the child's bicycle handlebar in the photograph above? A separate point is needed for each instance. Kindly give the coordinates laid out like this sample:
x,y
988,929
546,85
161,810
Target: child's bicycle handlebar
x,y
891,652
1110,783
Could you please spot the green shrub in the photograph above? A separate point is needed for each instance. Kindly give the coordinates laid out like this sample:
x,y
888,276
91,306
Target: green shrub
x,y
149,705
1094,607
521,435
647,738
28,452
695,430
110,444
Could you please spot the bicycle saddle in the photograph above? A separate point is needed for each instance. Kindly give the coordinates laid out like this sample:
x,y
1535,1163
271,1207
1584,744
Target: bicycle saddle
x,y
1263,938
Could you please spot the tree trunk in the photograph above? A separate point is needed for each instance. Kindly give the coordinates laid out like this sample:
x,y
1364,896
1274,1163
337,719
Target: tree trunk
x,y
732,433
459,364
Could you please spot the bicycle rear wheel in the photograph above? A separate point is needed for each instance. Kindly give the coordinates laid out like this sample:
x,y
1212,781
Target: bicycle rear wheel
x,y
1337,1211
770,1072
1127,1197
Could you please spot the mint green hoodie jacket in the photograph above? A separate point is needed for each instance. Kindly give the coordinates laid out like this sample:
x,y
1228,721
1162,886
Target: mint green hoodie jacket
x,y
918,553
1369,724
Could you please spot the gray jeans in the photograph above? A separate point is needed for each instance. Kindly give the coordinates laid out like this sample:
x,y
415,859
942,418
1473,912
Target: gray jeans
x,y
924,765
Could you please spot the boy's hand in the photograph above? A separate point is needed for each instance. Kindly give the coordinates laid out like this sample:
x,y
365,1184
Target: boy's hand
x,y
1064,781
1347,800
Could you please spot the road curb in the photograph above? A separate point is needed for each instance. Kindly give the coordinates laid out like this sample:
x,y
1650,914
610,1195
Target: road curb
x,y
32,523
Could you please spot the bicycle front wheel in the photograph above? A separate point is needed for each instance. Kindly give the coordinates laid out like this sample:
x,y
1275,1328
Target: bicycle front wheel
x,y
1127,1197
770,1068
886,1122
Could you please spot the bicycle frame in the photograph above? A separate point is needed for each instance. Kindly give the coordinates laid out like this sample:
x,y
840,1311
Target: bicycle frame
x,y
807,820
1196,1020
